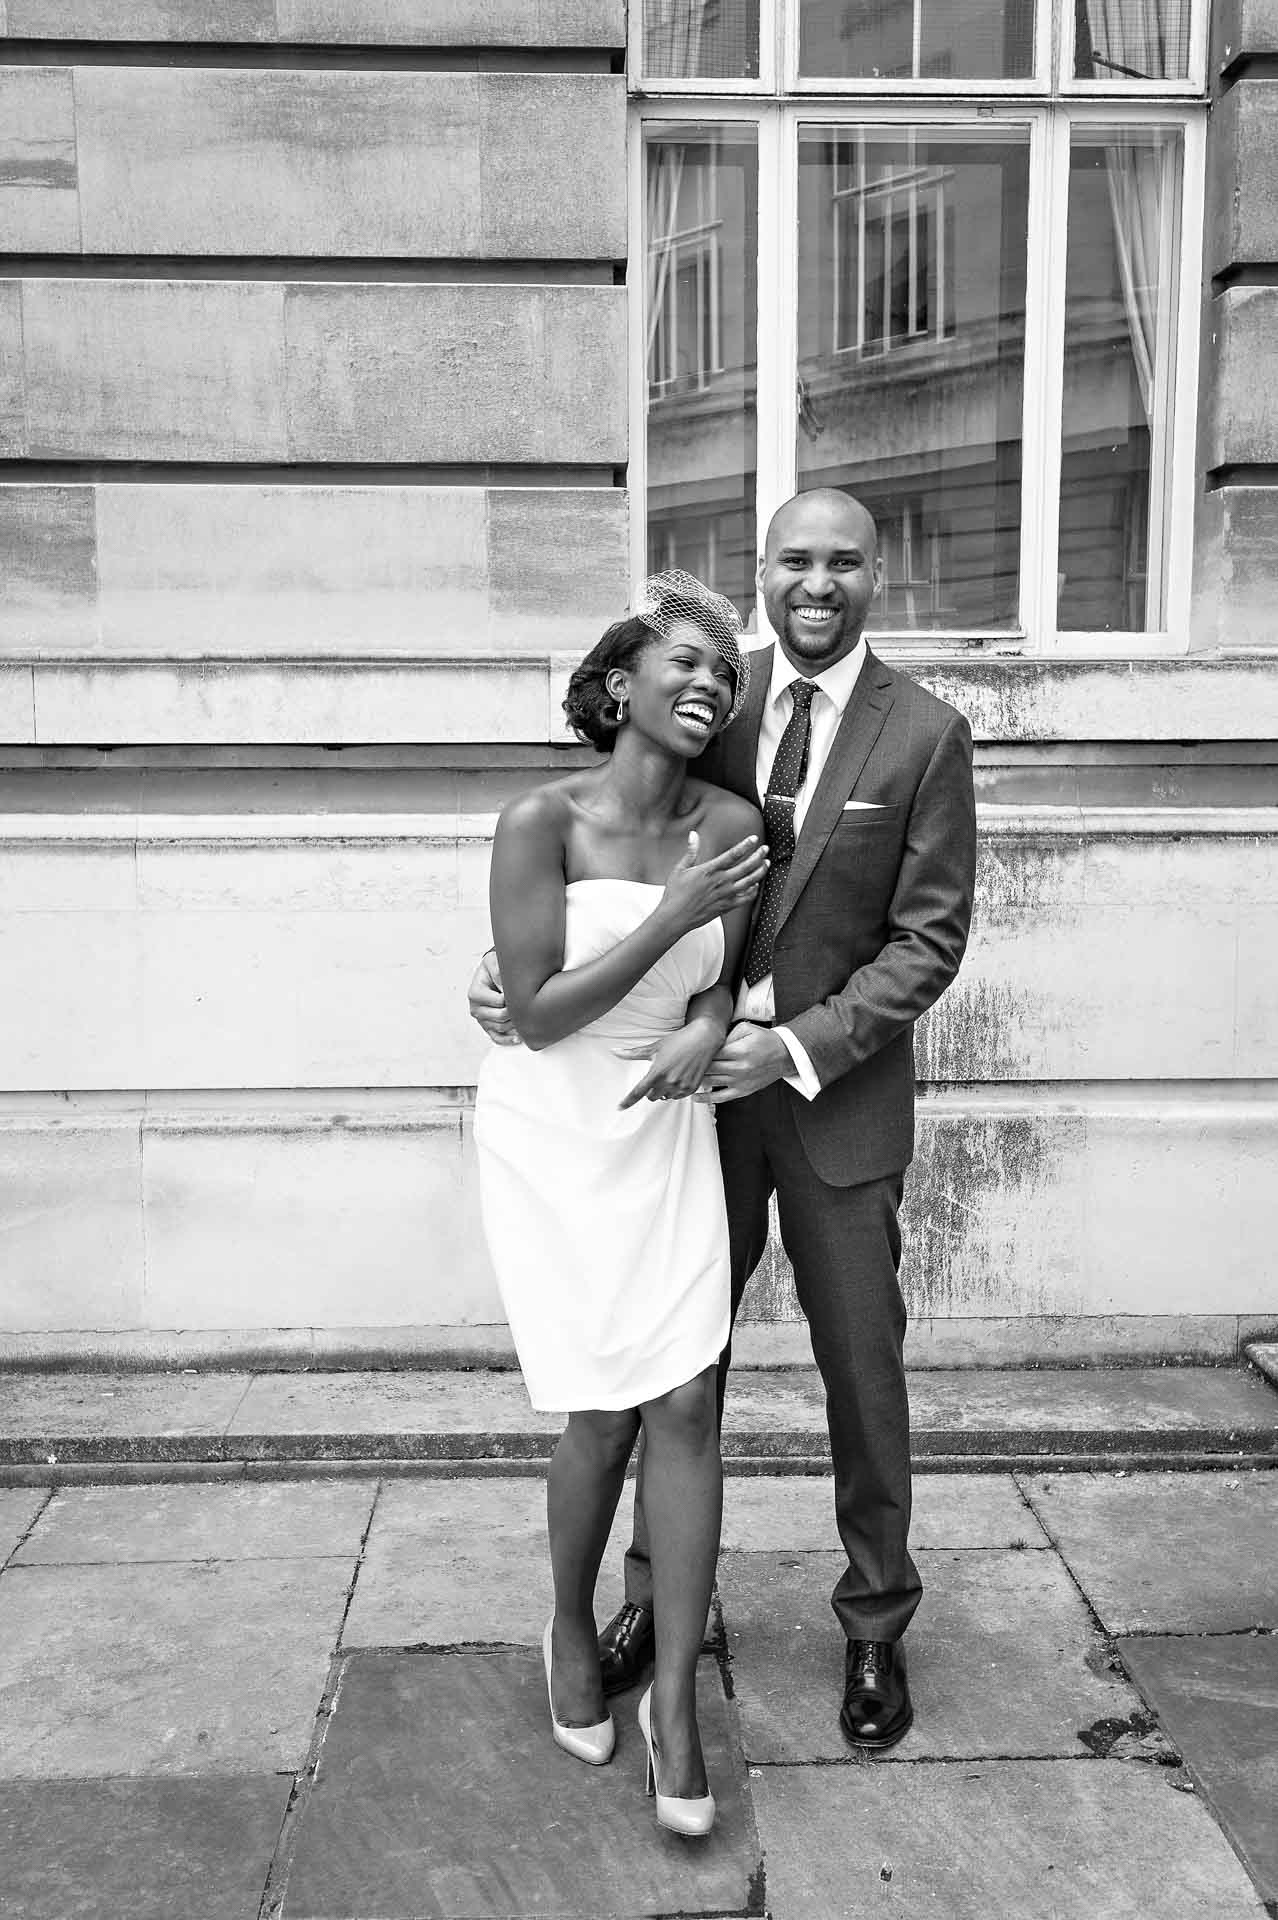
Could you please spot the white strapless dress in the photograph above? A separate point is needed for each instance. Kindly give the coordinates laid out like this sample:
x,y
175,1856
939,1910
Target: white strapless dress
x,y
607,1229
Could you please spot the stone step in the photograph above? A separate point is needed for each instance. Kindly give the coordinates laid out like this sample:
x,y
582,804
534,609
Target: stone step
x,y
94,1426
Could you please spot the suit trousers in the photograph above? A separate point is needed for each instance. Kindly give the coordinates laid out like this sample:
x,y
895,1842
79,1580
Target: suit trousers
x,y
844,1244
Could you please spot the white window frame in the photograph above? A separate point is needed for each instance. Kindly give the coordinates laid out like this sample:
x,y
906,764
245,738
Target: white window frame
x,y
776,119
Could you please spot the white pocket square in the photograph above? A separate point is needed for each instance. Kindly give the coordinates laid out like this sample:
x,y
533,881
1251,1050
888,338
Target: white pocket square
x,y
864,806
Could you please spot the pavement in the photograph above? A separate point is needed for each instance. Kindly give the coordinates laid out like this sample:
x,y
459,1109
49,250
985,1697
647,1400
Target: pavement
x,y
250,1668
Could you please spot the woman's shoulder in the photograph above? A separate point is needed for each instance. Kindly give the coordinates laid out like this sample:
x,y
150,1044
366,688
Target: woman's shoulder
x,y
539,813
726,814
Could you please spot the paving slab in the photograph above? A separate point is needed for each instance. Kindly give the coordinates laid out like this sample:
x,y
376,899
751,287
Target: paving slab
x,y
247,1521
490,1411
1217,1699
18,1508
1020,1840
89,1405
423,1748
465,1562
1167,1552
210,1668
1264,1354
148,1849
1003,1659
771,1511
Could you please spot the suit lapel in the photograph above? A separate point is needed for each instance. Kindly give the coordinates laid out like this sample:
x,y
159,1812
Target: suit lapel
x,y
860,727
741,741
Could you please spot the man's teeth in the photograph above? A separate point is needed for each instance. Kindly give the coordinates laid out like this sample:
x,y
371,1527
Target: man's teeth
x,y
818,614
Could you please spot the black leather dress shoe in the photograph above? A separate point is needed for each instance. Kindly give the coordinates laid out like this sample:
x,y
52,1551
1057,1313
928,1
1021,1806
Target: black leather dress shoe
x,y
625,1647
876,1697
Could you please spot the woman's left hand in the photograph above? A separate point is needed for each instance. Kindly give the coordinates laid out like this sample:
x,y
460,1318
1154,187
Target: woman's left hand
x,y
679,1063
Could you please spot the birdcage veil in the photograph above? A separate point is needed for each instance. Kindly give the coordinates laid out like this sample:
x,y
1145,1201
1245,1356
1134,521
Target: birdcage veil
x,y
665,598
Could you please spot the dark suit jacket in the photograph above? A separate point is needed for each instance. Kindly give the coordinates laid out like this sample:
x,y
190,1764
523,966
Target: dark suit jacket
x,y
876,909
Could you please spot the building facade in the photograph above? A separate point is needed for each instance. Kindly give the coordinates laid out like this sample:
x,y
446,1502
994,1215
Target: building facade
x,y
357,357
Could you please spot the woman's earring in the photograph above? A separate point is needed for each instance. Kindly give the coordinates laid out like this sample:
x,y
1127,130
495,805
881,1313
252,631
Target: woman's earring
x,y
621,708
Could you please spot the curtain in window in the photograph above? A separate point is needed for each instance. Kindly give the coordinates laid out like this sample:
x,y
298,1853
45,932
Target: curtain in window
x,y
680,27
1136,39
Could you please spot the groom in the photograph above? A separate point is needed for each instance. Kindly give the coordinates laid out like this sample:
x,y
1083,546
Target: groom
x,y
866,786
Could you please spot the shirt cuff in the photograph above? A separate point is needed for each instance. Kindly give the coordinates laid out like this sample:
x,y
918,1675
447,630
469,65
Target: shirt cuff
x,y
803,1079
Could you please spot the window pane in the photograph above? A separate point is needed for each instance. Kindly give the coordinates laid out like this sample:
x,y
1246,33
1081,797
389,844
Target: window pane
x,y
1124,191
912,257
701,246
916,39
701,39
1131,39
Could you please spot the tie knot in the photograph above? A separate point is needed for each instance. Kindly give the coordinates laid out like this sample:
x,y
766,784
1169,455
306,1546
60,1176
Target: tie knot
x,y
801,692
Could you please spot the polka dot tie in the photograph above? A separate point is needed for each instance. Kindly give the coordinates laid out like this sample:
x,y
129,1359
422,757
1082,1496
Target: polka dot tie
x,y
784,782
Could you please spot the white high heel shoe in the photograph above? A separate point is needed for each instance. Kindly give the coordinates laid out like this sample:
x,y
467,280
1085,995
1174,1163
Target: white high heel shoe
x,y
594,1744
691,1818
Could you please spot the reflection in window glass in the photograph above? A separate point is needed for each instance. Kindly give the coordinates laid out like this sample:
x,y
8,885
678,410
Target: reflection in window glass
x,y
1131,39
912,257
701,247
701,39
916,39
1119,276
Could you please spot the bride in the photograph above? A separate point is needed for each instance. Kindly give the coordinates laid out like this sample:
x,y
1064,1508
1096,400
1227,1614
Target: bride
x,y
620,898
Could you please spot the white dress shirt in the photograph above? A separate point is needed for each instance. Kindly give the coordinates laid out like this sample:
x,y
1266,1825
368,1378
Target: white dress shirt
x,y
834,690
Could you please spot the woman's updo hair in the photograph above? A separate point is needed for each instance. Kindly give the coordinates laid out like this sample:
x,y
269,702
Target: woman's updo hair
x,y
592,711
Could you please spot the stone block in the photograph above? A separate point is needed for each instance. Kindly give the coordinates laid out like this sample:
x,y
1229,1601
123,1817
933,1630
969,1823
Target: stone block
x,y
1217,1700
1154,1554
457,373
355,571
76,1849
122,1526
558,566
542,136
335,1225
140,1669
396,1824
1242,163
17,705
291,702
13,404
1241,417
71,1225
154,370
228,20
60,1020
1236,569
989,1841
39,211
235,162
460,23
347,163
991,1622
1241,28
48,562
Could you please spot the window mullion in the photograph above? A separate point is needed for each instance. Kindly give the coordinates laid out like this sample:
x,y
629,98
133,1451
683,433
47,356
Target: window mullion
x,y
778,346
1044,375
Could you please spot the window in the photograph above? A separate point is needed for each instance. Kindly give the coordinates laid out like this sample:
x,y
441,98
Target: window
x,y
944,254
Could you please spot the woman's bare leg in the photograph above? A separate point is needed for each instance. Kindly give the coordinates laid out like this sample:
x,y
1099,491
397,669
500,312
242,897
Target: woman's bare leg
x,y
582,1490
683,1501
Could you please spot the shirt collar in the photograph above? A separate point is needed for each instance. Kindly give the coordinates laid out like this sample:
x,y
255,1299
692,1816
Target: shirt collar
x,y
836,683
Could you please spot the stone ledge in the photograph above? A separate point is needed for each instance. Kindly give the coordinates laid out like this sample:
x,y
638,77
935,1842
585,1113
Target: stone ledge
x,y
1161,1415
404,698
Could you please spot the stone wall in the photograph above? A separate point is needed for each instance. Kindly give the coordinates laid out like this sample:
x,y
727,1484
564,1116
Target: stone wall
x,y
313,375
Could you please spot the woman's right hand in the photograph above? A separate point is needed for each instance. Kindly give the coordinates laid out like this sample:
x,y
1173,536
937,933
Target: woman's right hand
x,y
487,1002
701,890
